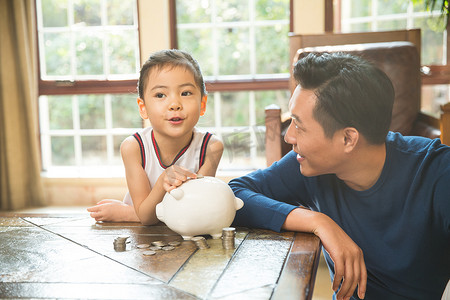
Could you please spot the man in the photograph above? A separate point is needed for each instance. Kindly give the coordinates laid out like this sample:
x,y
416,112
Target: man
x,y
379,202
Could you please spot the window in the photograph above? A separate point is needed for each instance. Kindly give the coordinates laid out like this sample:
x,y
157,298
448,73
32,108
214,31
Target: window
x,y
89,65
382,15
242,48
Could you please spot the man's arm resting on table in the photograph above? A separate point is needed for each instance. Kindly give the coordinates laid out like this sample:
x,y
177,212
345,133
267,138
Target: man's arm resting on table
x,y
347,256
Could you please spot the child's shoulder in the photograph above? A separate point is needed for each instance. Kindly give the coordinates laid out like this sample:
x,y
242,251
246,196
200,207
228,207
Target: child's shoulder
x,y
129,145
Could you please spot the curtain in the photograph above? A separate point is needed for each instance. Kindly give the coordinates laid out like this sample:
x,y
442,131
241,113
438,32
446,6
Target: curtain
x,y
20,181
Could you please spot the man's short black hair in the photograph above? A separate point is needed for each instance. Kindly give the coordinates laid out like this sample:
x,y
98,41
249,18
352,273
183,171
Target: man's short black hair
x,y
350,91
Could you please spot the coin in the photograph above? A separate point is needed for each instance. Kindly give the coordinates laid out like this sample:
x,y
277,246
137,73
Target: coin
x,y
155,248
198,238
168,248
200,242
148,253
159,243
175,243
142,246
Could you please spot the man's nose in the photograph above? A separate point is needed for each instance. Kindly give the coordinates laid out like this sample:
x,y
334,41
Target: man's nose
x,y
289,137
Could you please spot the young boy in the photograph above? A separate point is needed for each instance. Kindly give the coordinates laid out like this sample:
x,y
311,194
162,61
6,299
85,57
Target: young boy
x,y
160,158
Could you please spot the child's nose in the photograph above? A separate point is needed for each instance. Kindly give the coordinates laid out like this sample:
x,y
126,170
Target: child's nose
x,y
175,105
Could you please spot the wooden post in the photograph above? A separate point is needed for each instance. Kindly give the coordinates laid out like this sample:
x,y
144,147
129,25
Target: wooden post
x,y
273,133
445,124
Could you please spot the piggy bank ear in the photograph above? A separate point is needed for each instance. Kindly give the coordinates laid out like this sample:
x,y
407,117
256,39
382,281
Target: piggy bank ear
x,y
177,193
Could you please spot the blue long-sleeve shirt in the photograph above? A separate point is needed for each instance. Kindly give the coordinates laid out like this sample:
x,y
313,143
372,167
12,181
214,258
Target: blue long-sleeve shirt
x,y
402,223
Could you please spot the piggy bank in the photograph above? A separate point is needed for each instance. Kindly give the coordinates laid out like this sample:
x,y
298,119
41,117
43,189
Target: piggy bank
x,y
199,206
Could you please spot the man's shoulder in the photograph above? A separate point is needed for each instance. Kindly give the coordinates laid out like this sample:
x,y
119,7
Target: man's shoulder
x,y
415,144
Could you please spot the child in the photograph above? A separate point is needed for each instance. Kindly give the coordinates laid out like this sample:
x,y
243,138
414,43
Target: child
x,y
160,158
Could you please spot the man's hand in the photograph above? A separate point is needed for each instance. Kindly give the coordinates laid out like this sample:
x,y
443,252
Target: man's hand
x,y
175,175
348,259
349,266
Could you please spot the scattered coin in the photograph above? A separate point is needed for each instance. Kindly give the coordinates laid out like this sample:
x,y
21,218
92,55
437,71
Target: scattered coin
x,y
159,243
175,243
142,246
155,248
148,253
168,248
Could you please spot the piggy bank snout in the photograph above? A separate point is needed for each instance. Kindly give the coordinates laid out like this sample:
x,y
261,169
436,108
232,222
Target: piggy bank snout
x,y
238,203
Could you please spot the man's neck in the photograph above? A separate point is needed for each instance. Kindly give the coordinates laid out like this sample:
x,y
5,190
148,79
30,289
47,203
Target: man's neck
x,y
365,167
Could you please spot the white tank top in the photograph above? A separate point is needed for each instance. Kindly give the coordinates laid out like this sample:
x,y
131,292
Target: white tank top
x,y
190,157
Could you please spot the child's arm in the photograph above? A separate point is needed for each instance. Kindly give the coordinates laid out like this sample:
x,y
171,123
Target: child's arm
x,y
214,152
144,197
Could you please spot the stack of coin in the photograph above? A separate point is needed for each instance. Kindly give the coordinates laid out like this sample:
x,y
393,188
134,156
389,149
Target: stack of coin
x,y
228,234
120,243
200,242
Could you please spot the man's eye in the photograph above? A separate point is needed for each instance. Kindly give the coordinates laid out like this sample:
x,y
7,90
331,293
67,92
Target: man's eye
x,y
187,93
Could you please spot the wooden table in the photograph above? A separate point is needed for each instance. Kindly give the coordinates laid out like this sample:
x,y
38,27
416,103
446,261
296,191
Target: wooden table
x,y
72,256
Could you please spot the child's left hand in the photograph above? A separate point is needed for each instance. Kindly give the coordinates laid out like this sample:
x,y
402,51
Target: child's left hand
x,y
175,175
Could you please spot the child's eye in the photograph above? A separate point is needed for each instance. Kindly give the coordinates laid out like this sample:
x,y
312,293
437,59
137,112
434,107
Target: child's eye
x,y
159,95
186,93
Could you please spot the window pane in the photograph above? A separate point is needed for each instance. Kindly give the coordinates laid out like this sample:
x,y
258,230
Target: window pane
x,y
432,42
237,147
235,109
60,112
87,12
357,8
266,98
208,119
271,54
94,150
272,10
117,140
234,51
433,96
388,7
120,12
54,13
92,111
57,54
89,53
125,113
201,50
121,52
63,153
77,46
232,10
392,25
193,11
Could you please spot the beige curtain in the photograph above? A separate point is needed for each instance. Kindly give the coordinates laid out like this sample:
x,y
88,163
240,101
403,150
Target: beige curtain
x,y
20,181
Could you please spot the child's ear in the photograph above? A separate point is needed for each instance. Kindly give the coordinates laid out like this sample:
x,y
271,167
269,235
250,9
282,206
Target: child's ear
x,y
142,109
203,105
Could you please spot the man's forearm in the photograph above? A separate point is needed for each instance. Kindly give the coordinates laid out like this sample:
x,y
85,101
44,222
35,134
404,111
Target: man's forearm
x,y
304,220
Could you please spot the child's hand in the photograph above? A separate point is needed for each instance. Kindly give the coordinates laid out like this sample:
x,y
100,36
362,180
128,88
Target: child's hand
x,y
110,210
175,175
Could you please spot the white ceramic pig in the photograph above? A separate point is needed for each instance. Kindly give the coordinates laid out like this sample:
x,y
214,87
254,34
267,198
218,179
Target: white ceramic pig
x,y
199,206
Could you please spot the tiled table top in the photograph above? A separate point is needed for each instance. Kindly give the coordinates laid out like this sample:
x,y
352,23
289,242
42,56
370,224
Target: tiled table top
x,y
72,256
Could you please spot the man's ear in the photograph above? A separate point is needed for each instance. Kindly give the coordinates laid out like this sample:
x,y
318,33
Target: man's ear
x,y
203,105
351,138
142,109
